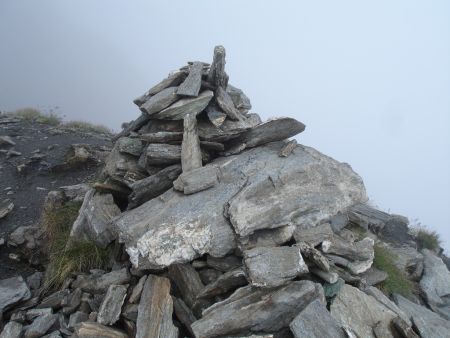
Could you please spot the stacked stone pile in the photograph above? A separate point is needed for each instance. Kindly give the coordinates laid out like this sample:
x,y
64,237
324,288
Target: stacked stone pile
x,y
230,229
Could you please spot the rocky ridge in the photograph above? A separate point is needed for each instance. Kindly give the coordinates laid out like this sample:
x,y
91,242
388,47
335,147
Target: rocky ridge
x,y
229,229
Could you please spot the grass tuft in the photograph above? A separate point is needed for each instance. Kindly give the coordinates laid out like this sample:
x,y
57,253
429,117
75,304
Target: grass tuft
x,y
87,127
35,115
428,239
80,256
396,282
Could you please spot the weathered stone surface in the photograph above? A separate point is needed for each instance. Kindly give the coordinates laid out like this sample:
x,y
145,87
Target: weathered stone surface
x,y
314,236
54,334
111,306
137,291
408,260
256,310
357,251
314,256
184,314
5,208
315,322
197,180
272,267
229,281
40,326
179,109
191,155
267,237
99,284
428,323
172,80
217,76
327,276
34,313
132,126
12,330
223,264
162,137
374,276
118,164
240,100
12,291
331,290
208,276
368,217
215,115
55,300
76,318
262,192
153,186
191,85
188,281
71,303
94,218
159,101
354,309
6,141
404,328
381,297
155,310
157,154
128,145
288,148
435,282
226,104
92,329
355,267
75,192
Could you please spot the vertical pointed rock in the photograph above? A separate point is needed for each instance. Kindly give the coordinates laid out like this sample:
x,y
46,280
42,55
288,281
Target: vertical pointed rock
x,y
191,85
191,154
155,310
217,75
226,104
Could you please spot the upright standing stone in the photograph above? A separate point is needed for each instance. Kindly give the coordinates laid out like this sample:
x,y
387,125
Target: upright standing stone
x,y
155,310
191,85
217,76
111,306
191,154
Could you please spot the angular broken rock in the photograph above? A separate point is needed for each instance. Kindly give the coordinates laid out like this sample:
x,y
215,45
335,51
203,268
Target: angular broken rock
x,y
428,323
354,309
191,154
229,281
12,330
256,310
188,282
362,250
185,106
155,310
261,192
40,326
160,101
127,145
93,221
272,267
111,306
157,154
435,282
153,186
240,100
99,284
92,329
184,314
327,276
316,322
5,208
288,148
191,85
314,256
172,80
223,264
162,137
215,115
226,104
197,180
314,236
267,237
12,291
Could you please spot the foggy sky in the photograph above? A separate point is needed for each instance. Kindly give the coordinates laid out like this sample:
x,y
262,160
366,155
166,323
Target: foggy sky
x,y
371,80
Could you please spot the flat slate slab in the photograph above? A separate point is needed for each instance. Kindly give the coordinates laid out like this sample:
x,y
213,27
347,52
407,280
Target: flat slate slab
x,y
185,106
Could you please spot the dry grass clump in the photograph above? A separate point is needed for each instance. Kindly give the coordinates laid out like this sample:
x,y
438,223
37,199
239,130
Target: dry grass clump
x,y
428,239
79,256
87,127
396,282
35,115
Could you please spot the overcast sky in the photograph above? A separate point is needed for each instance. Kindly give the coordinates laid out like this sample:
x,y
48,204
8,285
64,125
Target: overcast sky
x,y
371,80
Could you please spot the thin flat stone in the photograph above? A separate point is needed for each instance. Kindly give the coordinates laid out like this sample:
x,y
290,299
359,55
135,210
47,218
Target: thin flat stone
x,y
160,101
197,180
172,80
185,106
226,104
191,85
162,154
111,306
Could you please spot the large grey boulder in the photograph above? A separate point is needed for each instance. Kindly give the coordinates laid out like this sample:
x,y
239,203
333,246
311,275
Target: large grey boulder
x,y
256,190
361,313
315,321
93,221
435,282
12,291
428,323
272,267
256,310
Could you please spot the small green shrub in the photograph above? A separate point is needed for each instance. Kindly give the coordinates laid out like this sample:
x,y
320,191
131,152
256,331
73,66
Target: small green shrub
x,y
396,282
428,239
79,256
87,127
32,114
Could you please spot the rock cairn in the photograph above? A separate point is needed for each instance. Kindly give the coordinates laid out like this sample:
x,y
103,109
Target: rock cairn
x,y
229,229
